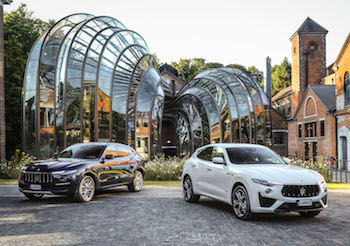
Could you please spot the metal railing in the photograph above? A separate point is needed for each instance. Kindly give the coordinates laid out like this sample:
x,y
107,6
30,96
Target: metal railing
x,y
337,170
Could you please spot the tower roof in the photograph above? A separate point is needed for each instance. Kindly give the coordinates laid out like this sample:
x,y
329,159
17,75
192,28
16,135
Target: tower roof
x,y
310,27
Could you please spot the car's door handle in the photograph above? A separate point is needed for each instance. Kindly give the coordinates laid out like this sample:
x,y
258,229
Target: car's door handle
x,y
209,169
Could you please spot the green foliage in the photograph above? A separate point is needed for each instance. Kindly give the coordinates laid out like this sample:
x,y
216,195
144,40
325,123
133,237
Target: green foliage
x,y
189,68
161,168
281,76
21,30
10,169
320,165
251,71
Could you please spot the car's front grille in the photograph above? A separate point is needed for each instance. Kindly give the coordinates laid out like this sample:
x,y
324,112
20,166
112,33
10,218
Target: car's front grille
x,y
300,190
38,177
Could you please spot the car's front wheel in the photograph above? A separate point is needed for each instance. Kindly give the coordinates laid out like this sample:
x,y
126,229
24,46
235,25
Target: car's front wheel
x,y
137,183
33,196
189,196
86,189
309,214
240,203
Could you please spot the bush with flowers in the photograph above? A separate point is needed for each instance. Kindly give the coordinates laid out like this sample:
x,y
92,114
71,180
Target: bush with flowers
x,y
162,168
10,169
321,165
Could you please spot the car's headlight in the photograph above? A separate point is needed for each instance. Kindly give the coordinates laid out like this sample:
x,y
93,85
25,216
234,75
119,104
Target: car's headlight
x,y
323,185
264,182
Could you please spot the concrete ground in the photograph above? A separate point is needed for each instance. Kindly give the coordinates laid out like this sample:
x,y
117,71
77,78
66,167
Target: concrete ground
x,y
160,216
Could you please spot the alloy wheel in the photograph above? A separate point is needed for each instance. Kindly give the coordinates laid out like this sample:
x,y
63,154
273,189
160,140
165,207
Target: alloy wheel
x,y
87,188
187,189
240,202
138,181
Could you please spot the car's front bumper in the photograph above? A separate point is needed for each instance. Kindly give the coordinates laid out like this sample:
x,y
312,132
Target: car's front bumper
x,y
57,186
274,201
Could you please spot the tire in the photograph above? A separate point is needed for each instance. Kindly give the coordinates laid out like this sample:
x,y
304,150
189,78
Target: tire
x,y
309,214
33,196
137,182
240,203
86,189
189,196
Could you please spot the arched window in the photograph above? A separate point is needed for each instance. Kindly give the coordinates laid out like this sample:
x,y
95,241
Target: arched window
x,y
346,88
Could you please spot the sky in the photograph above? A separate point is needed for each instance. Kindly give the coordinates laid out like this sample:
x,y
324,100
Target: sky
x,y
225,31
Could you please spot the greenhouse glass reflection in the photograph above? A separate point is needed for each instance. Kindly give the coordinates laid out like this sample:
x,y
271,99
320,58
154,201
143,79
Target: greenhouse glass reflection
x,y
91,79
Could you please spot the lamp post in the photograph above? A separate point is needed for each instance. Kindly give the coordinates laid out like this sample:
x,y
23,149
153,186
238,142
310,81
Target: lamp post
x,y
2,83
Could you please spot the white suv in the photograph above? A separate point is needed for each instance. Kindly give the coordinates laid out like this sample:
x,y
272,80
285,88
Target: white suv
x,y
253,179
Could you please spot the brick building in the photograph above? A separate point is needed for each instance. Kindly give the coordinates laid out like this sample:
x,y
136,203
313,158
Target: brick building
x,y
308,106
341,69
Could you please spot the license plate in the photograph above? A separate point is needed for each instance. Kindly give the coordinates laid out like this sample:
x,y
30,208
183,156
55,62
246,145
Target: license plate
x,y
35,187
304,203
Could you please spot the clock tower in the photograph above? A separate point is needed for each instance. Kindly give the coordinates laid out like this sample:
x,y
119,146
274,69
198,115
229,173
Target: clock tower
x,y
308,58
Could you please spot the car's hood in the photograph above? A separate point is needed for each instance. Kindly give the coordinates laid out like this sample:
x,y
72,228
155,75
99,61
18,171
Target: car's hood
x,y
57,165
284,174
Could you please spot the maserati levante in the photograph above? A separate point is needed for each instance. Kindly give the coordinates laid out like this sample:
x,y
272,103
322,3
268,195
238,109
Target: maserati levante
x,y
82,169
253,179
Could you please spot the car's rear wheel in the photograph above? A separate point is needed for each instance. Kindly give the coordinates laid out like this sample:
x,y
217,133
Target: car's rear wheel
x,y
33,196
189,196
240,203
86,189
137,183
309,214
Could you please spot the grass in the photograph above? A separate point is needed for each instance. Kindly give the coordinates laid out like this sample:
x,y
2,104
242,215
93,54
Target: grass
x,y
338,186
174,183
8,181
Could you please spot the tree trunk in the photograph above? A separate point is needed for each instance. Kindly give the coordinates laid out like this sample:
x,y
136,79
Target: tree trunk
x,y
2,88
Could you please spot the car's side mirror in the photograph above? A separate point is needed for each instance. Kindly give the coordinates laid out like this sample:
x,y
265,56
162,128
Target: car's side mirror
x,y
109,157
218,160
287,160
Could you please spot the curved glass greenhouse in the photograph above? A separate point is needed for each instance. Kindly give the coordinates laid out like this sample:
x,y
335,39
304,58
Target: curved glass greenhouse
x,y
91,79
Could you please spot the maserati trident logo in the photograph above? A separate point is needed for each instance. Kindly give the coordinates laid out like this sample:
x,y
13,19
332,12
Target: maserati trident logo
x,y
302,190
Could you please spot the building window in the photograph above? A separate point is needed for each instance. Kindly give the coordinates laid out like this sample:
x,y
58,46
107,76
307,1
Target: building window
x,y
288,109
278,138
322,128
300,126
284,109
310,130
346,88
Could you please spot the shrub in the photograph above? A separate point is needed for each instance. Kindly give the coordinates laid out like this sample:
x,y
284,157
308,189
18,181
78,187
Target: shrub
x,y
10,169
320,165
161,168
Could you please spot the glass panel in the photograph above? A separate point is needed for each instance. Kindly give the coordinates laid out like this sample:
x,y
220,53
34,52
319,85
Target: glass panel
x,y
146,92
156,123
183,132
195,122
30,98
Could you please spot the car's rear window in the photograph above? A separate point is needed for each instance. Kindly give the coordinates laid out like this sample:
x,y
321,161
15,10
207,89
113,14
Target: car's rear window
x,y
83,151
253,156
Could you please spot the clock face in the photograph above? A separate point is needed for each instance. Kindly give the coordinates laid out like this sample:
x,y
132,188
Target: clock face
x,y
312,47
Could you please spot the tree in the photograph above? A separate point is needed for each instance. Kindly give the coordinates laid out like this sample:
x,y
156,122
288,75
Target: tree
x,y
21,30
213,65
256,74
189,68
281,76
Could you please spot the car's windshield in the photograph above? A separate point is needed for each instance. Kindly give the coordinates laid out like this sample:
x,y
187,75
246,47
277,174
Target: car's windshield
x,y
253,156
83,151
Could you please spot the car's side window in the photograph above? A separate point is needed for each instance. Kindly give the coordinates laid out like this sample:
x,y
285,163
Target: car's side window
x,y
111,150
218,152
206,154
123,151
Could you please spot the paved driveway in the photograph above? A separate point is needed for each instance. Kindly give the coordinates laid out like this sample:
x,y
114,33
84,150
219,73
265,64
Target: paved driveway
x,y
159,216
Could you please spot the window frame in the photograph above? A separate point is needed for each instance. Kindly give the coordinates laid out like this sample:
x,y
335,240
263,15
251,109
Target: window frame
x,y
346,88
